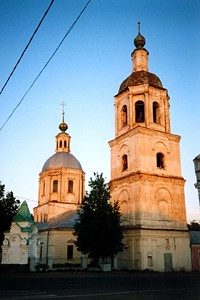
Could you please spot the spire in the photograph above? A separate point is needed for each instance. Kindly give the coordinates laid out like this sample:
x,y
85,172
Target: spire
x,y
139,41
140,54
63,126
63,138
138,27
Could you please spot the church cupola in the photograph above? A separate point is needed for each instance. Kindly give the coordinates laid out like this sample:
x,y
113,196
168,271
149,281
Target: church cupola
x,y
140,54
63,138
61,181
142,101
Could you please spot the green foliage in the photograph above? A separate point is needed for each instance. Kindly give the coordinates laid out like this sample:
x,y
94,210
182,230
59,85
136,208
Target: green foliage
x,y
98,229
8,208
194,226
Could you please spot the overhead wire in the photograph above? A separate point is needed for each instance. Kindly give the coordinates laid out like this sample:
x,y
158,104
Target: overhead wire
x,y
68,31
25,49
27,199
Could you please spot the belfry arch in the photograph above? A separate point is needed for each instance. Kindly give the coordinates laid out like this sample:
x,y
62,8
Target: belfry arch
x,y
139,111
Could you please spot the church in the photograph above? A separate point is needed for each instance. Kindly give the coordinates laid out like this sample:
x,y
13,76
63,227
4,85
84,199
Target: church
x,y
145,179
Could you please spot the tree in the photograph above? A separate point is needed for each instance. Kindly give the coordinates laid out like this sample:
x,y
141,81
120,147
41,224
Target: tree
x,y
9,206
98,229
194,226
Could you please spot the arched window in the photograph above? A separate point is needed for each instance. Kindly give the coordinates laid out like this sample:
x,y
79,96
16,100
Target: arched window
x,y
124,162
43,188
124,115
70,186
160,160
156,117
139,111
60,144
65,144
55,186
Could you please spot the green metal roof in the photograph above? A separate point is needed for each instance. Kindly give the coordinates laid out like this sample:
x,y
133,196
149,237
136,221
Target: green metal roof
x,y
23,214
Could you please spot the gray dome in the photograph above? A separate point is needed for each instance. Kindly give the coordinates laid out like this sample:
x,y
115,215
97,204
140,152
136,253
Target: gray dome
x,y
62,160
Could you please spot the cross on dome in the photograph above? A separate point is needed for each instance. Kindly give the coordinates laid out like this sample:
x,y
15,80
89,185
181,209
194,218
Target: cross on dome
x,y
138,27
63,126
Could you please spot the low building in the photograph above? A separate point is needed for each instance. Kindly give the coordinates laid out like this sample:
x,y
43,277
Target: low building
x,y
22,241
195,249
57,248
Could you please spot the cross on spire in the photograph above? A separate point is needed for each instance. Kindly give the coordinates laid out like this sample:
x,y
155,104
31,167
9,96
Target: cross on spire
x,y
138,27
63,107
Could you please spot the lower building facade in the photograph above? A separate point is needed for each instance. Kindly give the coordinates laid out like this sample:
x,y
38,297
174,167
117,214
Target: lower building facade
x,y
155,250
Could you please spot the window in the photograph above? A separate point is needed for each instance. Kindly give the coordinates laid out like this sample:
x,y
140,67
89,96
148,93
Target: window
x,y
70,250
150,260
160,160
65,144
156,112
60,144
124,115
45,217
139,111
124,162
55,186
43,188
40,253
70,186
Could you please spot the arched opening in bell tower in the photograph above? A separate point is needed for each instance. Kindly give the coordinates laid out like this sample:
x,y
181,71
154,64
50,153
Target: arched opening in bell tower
x,y
160,160
124,116
139,111
124,162
156,116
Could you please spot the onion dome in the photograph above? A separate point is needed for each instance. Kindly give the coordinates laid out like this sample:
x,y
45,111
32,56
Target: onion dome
x,y
63,126
139,41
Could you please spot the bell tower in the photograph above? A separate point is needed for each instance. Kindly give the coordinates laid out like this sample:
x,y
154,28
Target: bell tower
x,y
146,175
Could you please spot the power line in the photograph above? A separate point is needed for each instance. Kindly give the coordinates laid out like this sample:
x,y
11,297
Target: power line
x,y
26,47
69,30
27,199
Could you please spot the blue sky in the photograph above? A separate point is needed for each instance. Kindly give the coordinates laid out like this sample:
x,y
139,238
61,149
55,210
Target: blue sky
x,y
86,73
